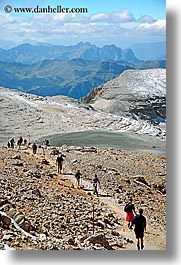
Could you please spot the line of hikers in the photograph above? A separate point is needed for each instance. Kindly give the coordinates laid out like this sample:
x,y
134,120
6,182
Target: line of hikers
x,y
133,219
95,182
11,143
20,141
78,175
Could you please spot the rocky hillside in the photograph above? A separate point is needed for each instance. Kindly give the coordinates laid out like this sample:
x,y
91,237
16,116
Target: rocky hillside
x,y
41,209
137,93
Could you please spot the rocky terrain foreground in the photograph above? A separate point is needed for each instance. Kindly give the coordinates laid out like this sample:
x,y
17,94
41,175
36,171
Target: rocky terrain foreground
x,y
43,210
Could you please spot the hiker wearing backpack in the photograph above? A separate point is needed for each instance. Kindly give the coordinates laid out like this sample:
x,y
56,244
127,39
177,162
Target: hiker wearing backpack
x,y
139,221
34,147
130,211
12,143
96,183
59,163
78,175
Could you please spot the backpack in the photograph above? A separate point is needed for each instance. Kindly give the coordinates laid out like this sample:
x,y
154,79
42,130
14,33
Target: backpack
x,y
77,175
127,208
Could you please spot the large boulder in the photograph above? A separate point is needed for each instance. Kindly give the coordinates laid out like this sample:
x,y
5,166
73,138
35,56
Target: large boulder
x,y
100,240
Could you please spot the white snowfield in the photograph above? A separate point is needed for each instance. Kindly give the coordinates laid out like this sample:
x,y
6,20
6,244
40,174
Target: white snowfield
x,y
131,85
23,114
147,83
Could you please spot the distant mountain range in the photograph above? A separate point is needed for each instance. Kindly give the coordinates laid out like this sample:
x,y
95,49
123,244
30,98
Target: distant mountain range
x,y
48,70
29,54
41,51
74,78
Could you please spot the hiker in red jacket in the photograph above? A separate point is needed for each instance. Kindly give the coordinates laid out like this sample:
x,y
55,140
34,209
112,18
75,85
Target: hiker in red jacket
x,y
130,211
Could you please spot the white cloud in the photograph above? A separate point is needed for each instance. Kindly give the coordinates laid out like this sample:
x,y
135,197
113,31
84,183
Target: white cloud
x,y
123,16
146,19
117,17
103,17
69,18
67,29
159,25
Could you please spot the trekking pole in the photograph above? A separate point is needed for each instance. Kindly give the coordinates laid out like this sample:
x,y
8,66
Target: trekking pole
x,y
93,217
43,151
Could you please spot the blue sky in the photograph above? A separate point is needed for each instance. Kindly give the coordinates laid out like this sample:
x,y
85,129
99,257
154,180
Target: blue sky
x,y
121,22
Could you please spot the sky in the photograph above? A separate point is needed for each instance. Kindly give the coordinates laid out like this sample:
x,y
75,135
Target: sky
x,y
119,22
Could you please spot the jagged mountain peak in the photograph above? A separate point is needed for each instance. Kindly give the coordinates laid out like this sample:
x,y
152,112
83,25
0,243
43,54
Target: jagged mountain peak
x,y
29,54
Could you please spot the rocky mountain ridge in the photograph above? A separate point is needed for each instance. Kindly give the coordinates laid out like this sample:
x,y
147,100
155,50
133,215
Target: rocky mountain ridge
x,y
74,78
30,54
110,114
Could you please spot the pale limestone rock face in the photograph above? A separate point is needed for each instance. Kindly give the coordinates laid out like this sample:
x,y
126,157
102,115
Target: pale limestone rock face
x,y
133,91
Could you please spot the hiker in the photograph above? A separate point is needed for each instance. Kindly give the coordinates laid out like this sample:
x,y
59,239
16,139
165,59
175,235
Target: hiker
x,y
19,142
130,211
59,163
46,142
12,143
34,147
96,182
78,175
25,142
139,221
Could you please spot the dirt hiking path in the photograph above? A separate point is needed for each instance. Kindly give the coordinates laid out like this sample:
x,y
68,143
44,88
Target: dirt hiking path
x,y
153,240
